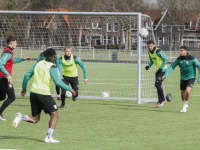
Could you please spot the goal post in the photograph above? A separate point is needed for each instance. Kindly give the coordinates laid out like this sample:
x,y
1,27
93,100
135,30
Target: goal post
x,y
107,42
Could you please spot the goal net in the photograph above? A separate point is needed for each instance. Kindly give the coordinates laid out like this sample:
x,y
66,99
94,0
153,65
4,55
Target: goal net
x,y
107,43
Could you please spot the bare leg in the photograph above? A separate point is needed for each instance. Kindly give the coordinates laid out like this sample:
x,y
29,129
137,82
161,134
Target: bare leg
x,y
34,119
187,96
53,120
183,94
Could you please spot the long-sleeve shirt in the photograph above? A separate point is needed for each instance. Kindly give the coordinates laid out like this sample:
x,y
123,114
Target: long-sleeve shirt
x,y
5,57
78,61
55,74
161,54
187,66
41,57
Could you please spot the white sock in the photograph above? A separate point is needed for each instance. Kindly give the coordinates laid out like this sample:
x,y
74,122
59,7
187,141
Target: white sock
x,y
58,96
50,132
186,102
25,117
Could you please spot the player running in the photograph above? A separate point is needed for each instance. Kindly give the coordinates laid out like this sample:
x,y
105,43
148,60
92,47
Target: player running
x,y
6,64
42,57
187,64
160,60
70,72
40,94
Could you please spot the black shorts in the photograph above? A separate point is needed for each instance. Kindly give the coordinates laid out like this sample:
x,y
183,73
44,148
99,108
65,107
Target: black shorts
x,y
6,88
185,83
73,81
42,102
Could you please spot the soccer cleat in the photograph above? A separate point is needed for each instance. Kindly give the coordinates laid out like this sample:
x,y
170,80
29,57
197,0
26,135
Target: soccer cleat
x,y
62,106
2,118
16,120
58,98
73,98
184,109
51,140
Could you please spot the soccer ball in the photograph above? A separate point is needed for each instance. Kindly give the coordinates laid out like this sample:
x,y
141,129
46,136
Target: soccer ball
x,y
68,94
169,97
105,94
143,33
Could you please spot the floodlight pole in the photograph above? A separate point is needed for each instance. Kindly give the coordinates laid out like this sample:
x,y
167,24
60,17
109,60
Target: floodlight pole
x,y
139,49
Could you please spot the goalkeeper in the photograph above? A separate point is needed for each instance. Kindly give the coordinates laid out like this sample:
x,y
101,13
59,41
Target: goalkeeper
x,y
160,60
42,57
187,64
70,72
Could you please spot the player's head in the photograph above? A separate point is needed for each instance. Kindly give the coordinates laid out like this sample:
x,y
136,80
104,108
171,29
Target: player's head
x,y
67,50
12,42
183,50
50,54
150,45
48,46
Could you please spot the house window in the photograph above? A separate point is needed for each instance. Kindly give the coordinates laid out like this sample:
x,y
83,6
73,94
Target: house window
x,y
191,42
109,39
115,39
119,39
95,24
164,28
115,27
133,25
187,26
108,27
160,41
164,40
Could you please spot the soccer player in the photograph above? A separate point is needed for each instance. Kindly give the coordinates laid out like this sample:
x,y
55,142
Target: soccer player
x,y
6,64
187,64
42,57
160,60
70,72
40,94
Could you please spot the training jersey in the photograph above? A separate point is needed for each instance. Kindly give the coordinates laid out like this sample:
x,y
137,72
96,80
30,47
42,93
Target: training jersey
x,y
187,66
6,62
41,57
44,72
69,63
158,58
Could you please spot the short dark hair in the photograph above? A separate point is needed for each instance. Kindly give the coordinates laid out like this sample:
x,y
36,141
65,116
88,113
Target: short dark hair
x,y
184,47
150,42
49,53
48,46
11,38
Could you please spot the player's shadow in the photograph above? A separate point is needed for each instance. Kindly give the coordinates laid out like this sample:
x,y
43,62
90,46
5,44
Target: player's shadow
x,y
17,137
21,105
133,107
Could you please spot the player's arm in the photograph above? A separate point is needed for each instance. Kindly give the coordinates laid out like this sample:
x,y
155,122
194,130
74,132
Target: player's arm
x,y
164,58
171,68
27,77
55,74
82,65
5,57
17,60
59,65
150,63
197,64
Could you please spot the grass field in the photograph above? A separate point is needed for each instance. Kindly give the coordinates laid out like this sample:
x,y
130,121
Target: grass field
x,y
90,124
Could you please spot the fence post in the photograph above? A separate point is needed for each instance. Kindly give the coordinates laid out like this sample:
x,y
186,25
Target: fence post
x,y
21,52
93,53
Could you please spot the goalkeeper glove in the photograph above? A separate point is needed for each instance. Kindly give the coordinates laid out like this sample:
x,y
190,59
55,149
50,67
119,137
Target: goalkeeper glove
x,y
147,67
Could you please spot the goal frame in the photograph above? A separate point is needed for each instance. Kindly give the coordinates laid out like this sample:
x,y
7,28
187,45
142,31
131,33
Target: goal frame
x,y
139,39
